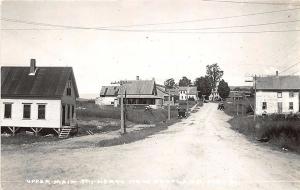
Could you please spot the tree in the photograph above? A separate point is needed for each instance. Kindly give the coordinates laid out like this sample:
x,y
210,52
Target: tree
x,y
184,81
214,74
223,89
169,83
203,86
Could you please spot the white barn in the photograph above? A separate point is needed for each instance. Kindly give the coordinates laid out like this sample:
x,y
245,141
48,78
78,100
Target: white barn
x,y
277,94
38,98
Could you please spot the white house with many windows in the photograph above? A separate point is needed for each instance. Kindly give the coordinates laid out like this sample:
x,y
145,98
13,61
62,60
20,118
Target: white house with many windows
x,y
188,92
37,97
277,94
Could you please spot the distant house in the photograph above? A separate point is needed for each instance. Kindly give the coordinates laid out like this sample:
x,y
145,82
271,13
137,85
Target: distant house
x,y
188,92
37,97
214,95
108,96
240,92
140,92
163,93
277,94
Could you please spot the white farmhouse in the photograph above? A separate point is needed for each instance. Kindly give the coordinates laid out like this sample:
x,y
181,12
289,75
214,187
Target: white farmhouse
x,y
188,92
277,94
37,98
108,96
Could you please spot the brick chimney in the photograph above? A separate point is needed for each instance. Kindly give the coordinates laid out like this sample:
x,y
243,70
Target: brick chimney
x,y
32,67
137,77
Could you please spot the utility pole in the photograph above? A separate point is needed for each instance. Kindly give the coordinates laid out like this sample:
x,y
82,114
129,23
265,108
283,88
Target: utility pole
x,y
169,106
122,90
254,84
187,101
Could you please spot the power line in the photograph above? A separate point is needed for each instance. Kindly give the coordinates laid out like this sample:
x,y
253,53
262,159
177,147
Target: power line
x,y
149,24
174,29
252,2
171,32
289,67
226,27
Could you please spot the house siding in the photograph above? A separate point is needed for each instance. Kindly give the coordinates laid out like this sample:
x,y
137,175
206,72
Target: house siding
x,y
52,113
270,97
106,101
68,101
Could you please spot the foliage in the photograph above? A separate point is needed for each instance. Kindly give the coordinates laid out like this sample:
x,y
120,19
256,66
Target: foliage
x,y
203,86
214,74
184,81
169,83
223,89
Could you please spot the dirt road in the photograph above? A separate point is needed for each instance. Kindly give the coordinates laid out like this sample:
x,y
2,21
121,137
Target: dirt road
x,y
201,152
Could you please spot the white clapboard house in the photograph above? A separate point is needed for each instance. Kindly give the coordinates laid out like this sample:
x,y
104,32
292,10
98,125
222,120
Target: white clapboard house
x,y
188,92
38,98
277,94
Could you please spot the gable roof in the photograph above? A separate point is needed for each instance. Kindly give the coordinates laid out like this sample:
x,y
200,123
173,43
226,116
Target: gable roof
x,y
278,83
109,90
161,91
140,87
48,82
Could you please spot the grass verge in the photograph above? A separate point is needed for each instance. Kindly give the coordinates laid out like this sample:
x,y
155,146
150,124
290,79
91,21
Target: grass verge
x,y
284,134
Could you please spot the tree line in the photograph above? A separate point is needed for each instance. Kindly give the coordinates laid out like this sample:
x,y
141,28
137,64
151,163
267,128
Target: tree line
x,y
205,84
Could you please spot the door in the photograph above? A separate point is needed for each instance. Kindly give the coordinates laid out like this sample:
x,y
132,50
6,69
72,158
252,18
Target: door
x,y
63,117
279,107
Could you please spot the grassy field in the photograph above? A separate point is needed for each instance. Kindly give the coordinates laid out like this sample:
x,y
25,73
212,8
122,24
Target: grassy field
x,y
281,133
133,114
239,107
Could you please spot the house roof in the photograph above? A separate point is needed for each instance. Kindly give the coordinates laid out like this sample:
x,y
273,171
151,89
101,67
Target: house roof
x,y
109,91
141,96
161,91
278,83
48,82
140,87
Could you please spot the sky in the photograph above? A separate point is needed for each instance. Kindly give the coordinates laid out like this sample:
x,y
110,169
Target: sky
x,y
123,52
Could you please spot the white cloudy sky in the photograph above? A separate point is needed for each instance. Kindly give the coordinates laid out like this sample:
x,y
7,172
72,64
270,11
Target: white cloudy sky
x,y
99,57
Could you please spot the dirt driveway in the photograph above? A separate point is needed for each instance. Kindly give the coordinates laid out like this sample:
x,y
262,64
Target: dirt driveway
x,y
201,152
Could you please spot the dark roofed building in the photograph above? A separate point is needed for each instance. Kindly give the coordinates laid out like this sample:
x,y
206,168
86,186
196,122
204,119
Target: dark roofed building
x,y
142,92
277,94
38,97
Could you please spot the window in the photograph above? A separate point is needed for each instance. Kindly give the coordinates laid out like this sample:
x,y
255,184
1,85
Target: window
x,y
291,106
291,94
264,105
73,111
41,111
69,91
69,107
26,111
7,110
279,94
